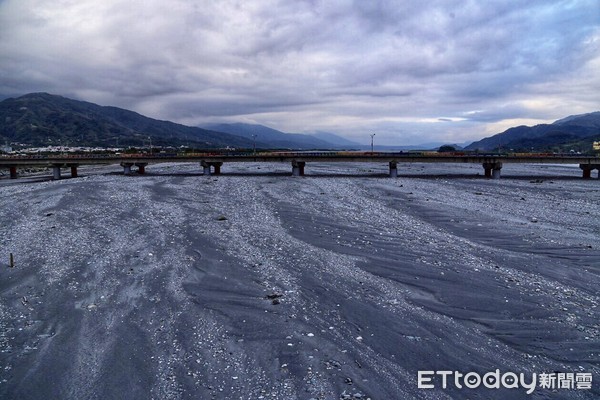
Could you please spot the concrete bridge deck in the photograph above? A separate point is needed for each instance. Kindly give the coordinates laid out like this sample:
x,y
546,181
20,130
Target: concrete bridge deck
x,y
212,162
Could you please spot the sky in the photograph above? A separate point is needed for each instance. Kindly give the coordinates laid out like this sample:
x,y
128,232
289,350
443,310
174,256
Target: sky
x,y
409,71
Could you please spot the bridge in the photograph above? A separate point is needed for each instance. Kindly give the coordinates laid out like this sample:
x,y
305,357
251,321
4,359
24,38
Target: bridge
x,y
212,162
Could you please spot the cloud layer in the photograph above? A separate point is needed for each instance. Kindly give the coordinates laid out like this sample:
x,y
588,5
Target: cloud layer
x,y
408,71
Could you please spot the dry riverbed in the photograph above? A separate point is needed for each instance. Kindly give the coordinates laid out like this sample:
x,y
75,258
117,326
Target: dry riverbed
x,y
257,285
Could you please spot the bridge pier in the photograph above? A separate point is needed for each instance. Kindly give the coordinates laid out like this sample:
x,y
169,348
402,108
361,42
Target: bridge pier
x,y
298,168
126,167
496,172
13,173
587,170
593,167
393,169
141,168
492,169
207,165
73,170
56,171
487,168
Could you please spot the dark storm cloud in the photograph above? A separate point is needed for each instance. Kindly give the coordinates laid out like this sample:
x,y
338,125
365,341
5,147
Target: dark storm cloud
x,y
440,70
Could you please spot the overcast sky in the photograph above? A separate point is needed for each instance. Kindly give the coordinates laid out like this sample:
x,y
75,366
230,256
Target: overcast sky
x,y
408,71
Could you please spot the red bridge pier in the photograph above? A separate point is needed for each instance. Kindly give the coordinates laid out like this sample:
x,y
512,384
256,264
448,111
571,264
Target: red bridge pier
x,y
587,170
13,173
141,168
73,170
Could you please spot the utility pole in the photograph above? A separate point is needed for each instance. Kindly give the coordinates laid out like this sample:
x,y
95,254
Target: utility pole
x,y
254,145
372,136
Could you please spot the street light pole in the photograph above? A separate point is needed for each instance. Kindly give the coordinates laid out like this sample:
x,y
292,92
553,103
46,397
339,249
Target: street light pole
x,y
372,135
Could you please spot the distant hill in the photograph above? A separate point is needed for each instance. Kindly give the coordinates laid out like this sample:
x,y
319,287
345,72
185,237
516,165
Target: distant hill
x,y
41,119
336,140
576,132
591,120
277,138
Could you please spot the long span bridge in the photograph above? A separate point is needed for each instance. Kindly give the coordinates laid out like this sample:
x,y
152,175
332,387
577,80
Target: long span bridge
x,y
212,162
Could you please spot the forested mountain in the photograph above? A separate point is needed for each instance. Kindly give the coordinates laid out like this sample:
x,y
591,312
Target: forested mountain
x,y
41,119
576,132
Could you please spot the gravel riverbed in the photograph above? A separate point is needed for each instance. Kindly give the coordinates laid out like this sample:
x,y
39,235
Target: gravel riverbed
x,y
342,284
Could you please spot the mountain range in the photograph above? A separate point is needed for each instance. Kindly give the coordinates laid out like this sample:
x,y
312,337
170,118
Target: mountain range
x,y
42,119
576,132
278,139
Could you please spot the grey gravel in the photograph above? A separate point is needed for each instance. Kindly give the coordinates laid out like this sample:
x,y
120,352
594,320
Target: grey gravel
x,y
258,285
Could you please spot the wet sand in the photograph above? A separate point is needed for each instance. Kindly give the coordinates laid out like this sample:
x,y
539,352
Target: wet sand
x,y
257,285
